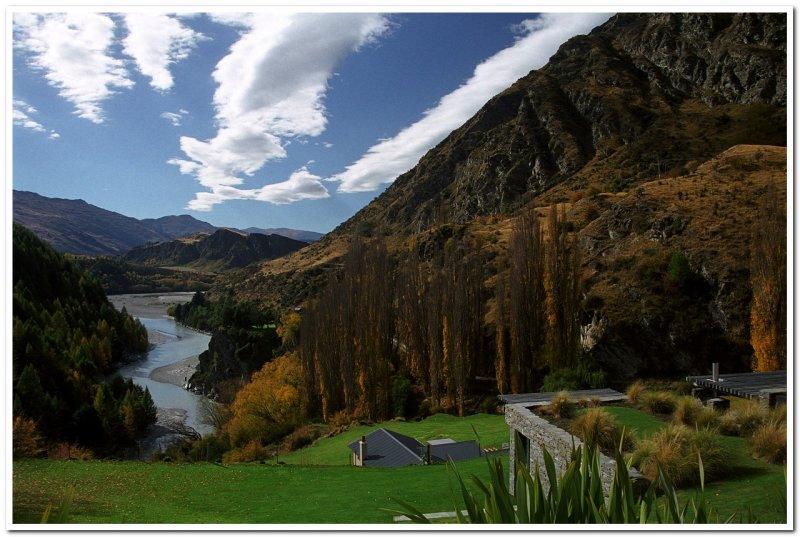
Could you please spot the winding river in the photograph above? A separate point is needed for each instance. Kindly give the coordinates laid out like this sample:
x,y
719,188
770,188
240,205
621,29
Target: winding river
x,y
172,356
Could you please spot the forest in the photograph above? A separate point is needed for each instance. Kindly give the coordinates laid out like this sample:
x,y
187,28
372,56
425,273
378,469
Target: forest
x,y
67,339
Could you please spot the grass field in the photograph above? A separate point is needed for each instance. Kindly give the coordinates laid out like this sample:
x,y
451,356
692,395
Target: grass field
x,y
491,428
317,485
753,485
140,492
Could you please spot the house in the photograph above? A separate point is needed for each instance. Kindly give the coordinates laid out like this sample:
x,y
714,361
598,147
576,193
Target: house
x,y
383,448
446,449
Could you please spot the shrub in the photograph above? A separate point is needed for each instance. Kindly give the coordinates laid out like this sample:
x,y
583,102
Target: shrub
x,y
300,438
27,442
402,399
690,411
675,449
69,452
270,405
635,391
252,451
597,427
561,407
768,442
658,402
744,418
579,378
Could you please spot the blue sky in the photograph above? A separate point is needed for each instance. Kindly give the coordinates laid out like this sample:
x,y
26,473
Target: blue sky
x,y
254,119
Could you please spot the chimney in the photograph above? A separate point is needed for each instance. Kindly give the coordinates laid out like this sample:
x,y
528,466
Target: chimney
x,y
362,450
428,453
715,371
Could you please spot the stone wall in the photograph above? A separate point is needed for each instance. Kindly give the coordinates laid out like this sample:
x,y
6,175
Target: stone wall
x,y
558,442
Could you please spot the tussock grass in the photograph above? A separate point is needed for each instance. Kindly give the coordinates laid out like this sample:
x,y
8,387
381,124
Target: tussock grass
x,y
768,442
676,449
561,407
635,391
690,411
597,427
744,419
661,402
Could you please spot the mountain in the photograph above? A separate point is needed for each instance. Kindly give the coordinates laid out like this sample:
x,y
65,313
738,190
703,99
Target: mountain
x,y
296,234
178,226
223,249
657,134
78,227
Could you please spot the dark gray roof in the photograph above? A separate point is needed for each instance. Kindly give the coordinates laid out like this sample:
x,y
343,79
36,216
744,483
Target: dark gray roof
x,y
604,394
390,449
457,451
743,384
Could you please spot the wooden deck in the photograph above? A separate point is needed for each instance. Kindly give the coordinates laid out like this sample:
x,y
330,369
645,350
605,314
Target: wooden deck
x,y
749,385
542,398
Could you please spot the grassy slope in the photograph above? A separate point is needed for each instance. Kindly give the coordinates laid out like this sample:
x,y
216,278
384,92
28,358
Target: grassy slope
x,y
753,484
138,492
330,492
491,428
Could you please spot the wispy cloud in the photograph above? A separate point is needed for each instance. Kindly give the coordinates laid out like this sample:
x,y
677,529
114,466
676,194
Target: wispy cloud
x,y
175,118
271,88
72,50
539,39
22,113
155,41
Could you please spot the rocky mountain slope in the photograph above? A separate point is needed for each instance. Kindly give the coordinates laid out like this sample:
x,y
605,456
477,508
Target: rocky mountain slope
x,y
221,250
658,132
77,227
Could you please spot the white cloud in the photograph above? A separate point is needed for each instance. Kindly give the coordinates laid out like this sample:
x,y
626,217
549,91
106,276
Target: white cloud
x,y
21,115
387,159
175,117
271,88
155,41
301,185
72,49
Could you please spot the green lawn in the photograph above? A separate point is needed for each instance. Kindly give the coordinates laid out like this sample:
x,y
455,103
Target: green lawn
x,y
752,485
318,486
491,428
140,492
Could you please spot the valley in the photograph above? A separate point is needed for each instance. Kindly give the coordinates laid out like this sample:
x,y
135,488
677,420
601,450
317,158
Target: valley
x,y
572,280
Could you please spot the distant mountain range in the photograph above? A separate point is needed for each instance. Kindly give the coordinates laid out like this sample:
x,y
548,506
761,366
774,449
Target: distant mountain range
x,y
78,227
223,249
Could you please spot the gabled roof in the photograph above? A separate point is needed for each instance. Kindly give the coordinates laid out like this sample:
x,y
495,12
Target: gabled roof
x,y
455,451
390,449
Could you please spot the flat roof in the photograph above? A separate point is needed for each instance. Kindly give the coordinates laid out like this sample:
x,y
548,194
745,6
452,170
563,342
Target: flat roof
x,y
440,441
541,398
743,384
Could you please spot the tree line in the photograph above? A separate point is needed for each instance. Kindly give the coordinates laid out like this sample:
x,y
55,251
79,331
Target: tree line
x,y
379,321
67,340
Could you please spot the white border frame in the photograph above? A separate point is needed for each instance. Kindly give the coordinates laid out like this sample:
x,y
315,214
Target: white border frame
x,y
387,7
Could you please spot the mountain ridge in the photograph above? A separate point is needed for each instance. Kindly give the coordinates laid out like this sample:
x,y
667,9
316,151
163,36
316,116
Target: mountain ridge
x,y
77,227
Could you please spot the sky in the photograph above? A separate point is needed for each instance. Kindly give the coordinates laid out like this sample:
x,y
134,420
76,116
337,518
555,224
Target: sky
x,y
254,119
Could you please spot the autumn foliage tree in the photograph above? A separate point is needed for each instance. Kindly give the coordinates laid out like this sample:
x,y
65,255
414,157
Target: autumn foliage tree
x,y
271,405
564,287
768,281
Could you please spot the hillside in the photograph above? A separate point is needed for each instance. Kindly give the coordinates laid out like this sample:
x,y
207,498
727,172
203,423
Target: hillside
x,y
646,130
77,227
68,339
221,250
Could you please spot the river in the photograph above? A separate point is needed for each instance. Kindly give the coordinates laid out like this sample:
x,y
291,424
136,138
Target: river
x,y
172,357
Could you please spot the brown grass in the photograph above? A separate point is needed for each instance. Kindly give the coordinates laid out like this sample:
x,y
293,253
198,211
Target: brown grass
x,y
635,391
768,442
658,402
561,407
598,427
690,411
677,449
744,419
